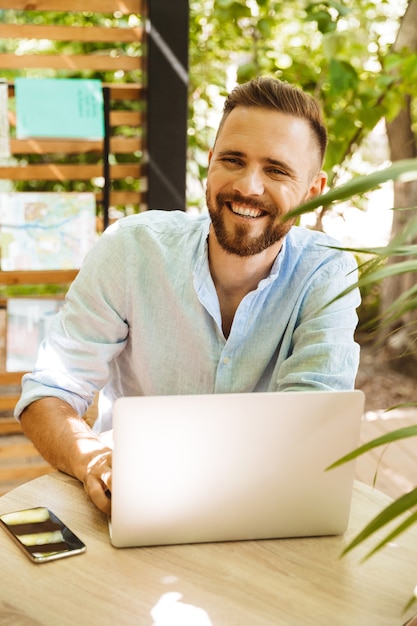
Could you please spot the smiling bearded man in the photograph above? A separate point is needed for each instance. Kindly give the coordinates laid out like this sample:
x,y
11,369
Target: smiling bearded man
x,y
231,300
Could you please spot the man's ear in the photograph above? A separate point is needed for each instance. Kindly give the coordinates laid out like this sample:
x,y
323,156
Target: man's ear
x,y
210,154
317,185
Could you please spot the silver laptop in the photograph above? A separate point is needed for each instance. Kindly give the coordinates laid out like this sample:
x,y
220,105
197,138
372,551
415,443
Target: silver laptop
x,y
204,468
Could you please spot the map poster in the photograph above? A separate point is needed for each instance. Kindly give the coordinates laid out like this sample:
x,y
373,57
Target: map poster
x,y
28,320
45,230
69,108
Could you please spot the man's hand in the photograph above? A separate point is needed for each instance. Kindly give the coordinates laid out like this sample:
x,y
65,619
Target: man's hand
x,y
68,444
97,480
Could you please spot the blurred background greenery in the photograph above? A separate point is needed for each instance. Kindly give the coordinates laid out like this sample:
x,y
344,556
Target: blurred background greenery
x,y
359,58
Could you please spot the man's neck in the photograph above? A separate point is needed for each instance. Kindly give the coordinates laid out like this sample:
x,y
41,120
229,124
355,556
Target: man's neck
x,y
235,276
234,273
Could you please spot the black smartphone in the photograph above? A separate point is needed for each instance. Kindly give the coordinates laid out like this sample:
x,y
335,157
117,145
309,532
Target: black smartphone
x,y
41,535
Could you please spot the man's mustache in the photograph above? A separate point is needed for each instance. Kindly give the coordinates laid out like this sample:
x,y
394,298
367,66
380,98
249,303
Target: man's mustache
x,y
223,198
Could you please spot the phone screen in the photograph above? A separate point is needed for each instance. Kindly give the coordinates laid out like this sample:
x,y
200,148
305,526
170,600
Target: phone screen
x,y
41,534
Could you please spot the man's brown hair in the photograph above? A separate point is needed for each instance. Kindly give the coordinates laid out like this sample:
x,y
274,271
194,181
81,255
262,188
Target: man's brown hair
x,y
271,93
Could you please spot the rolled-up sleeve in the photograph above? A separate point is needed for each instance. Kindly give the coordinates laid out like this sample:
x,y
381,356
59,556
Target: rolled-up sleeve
x,y
73,363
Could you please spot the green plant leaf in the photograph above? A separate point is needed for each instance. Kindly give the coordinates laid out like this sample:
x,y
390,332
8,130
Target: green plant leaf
x,y
409,604
406,302
394,435
342,76
404,168
394,269
409,521
377,275
393,510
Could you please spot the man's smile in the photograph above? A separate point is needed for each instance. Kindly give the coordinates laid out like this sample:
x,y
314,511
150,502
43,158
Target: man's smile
x,y
245,210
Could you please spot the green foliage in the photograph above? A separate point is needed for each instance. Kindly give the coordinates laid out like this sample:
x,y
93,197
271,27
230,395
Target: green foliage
x,y
374,270
337,51
405,170
403,510
10,291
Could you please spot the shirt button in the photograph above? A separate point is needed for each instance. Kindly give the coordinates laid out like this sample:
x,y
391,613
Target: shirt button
x,y
226,360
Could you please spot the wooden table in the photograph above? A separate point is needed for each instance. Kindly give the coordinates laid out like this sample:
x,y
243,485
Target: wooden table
x,y
291,582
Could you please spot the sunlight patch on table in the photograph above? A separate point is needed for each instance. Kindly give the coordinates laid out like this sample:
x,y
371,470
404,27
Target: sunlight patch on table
x,y
170,611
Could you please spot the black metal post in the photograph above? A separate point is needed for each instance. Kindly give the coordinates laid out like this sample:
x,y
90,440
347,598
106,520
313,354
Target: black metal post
x,y
106,155
167,81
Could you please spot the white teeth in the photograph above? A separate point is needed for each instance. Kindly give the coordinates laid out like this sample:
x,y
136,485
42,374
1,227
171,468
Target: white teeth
x,y
245,211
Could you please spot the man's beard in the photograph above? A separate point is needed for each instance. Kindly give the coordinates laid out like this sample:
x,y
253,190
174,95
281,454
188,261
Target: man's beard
x,y
240,241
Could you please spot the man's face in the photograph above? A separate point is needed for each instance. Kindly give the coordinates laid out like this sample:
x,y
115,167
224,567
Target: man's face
x,y
264,164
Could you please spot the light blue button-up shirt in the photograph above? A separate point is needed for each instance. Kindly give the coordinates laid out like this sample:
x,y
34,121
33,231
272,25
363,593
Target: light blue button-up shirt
x,y
143,318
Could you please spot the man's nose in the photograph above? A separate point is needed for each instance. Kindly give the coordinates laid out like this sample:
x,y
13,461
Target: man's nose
x,y
249,183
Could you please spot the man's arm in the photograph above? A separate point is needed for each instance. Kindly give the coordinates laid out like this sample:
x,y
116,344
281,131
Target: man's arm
x,y
322,353
68,444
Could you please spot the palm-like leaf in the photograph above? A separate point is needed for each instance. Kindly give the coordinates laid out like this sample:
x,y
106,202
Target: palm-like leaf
x,y
402,506
374,270
400,170
394,435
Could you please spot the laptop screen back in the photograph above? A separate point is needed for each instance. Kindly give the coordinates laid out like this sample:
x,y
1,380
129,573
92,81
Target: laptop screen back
x,y
232,466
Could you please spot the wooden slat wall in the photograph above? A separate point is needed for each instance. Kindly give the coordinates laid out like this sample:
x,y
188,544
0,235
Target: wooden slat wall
x,y
122,145
77,33
103,57
124,7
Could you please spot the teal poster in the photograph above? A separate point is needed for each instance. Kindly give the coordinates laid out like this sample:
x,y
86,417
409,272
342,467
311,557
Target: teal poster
x,y
59,107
